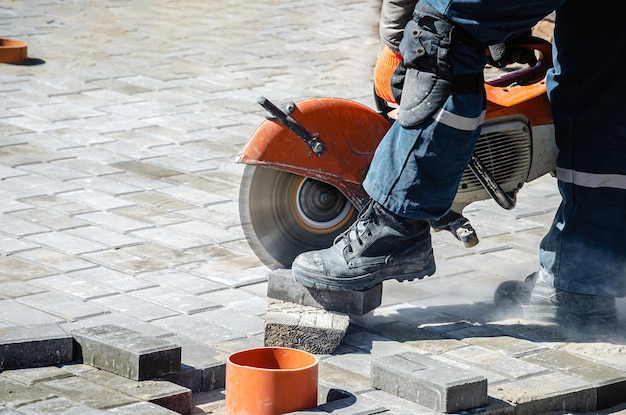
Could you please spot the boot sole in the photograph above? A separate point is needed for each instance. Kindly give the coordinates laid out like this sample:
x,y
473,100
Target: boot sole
x,y
400,273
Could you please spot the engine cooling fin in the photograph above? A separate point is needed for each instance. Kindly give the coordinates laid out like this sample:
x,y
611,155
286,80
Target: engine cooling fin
x,y
505,149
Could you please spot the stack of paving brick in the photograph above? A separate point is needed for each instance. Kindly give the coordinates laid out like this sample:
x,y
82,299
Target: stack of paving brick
x,y
89,371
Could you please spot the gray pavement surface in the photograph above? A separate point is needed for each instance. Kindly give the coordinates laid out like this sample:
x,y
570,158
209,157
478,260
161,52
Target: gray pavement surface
x,y
119,206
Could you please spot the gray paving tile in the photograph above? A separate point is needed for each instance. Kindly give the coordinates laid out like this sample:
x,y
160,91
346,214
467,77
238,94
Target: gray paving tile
x,y
67,307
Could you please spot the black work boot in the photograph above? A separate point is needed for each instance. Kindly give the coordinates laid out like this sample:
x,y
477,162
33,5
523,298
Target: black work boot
x,y
458,225
379,246
584,313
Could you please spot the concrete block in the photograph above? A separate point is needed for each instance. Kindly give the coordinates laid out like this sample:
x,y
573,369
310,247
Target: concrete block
x,y
188,377
14,394
546,393
430,383
304,327
34,346
282,286
609,381
126,352
85,392
159,392
214,377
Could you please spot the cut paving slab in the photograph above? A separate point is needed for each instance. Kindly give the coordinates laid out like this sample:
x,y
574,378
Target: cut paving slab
x,y
303,327
428,382
282,286
34,346
126,352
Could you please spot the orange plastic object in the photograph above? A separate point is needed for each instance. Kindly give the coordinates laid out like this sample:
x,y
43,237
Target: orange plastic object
x,y
270,381
12,51
385,66
350,131
529,100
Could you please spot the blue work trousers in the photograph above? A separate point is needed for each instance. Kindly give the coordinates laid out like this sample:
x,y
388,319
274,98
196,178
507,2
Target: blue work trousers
x,y
415,172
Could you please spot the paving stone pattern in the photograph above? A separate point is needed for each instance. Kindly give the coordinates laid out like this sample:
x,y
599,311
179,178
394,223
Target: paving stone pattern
x,y
119,211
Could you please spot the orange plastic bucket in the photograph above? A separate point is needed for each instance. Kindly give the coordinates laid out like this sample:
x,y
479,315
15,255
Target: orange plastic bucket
x,y
270,381
12,51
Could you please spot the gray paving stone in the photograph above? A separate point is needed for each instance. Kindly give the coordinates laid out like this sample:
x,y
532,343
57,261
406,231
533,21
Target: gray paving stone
x,y
67,243
190,283
85,392
64,306
107,185
55,203
54,260
55,172
15,394
150,215
125,260
105,237
19,227
58,406
37,185
429,383
160,392
282,286
170,238
30,376
193,196
179,302
109,220
610,382
511,346
499,363
112,279
547,392
117,319
159,201
13,289
402,406
236,321
233,278
34,346
17,314
197,328
12,206
127,353
50,219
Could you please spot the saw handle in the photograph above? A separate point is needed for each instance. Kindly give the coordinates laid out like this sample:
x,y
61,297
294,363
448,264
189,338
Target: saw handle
x,y
276,114
530,74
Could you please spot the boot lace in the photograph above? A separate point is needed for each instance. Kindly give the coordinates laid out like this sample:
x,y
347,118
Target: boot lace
x,y
360,229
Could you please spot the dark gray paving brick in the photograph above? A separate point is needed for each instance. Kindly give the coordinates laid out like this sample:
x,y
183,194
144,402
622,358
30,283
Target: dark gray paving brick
x,y
159,392
34,346
429,383
610,382
126,352
84,392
